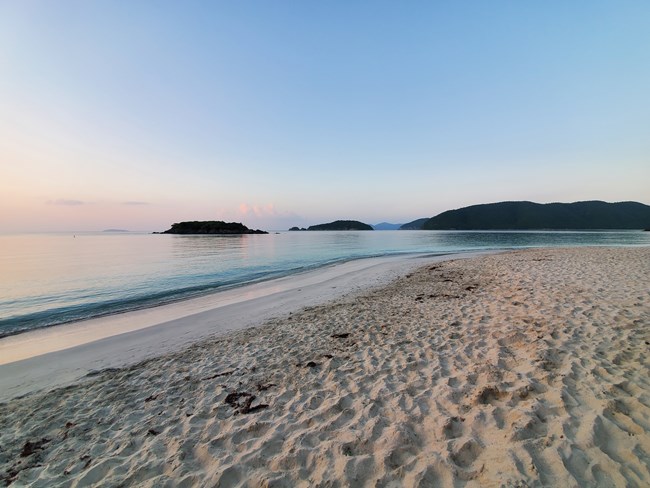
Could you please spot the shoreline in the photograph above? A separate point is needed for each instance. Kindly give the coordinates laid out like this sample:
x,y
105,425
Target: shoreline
x,y
174,300
119,340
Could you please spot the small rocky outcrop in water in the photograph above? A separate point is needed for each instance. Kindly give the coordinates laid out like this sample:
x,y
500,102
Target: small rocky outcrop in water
x,y
211,227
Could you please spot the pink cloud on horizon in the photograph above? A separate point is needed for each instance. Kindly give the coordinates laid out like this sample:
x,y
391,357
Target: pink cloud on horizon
x,y
259,211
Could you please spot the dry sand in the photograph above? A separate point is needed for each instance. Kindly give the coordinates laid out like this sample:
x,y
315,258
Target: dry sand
x,y
522,369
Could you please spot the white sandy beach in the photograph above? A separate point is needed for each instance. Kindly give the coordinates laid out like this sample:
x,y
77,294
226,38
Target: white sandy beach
x,y
56,356
526,368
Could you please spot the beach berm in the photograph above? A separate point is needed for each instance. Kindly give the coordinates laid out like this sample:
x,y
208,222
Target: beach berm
x,y
526,368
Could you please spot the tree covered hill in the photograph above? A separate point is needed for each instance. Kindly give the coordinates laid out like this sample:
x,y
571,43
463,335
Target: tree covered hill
x,y
211,227
529,215
342,225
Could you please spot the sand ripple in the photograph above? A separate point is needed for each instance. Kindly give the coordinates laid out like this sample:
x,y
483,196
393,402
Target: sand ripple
x,y
521,369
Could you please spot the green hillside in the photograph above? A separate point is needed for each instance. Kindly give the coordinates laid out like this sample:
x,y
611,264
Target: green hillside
x,y
529,215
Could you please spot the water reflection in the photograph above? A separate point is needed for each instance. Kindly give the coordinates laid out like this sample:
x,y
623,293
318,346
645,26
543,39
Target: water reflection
x,y
522,239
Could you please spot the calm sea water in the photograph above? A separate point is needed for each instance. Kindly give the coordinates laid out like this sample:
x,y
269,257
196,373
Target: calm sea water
x,y
52,279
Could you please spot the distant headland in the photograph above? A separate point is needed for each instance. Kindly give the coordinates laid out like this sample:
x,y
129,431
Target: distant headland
x,y
210,227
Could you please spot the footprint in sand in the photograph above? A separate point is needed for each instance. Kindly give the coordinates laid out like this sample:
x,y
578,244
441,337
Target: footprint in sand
x,y
453,428
465,457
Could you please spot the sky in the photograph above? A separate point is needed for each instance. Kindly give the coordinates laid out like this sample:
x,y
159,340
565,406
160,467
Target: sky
x,y
135,115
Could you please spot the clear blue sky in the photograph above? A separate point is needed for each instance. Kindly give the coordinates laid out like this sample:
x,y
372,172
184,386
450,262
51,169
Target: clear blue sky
x,y
139,114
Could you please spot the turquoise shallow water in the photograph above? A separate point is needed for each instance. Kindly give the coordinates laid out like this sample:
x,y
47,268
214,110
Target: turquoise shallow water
x,y
50,279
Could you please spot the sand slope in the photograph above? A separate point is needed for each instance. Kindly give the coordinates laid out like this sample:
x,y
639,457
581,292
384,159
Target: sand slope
x,y
521,369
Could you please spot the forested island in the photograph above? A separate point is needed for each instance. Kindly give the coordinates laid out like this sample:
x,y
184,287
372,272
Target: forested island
x,y
338,225
210,227
548,216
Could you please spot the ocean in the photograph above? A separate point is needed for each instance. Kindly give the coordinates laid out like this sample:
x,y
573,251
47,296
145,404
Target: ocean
x,y
51,279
